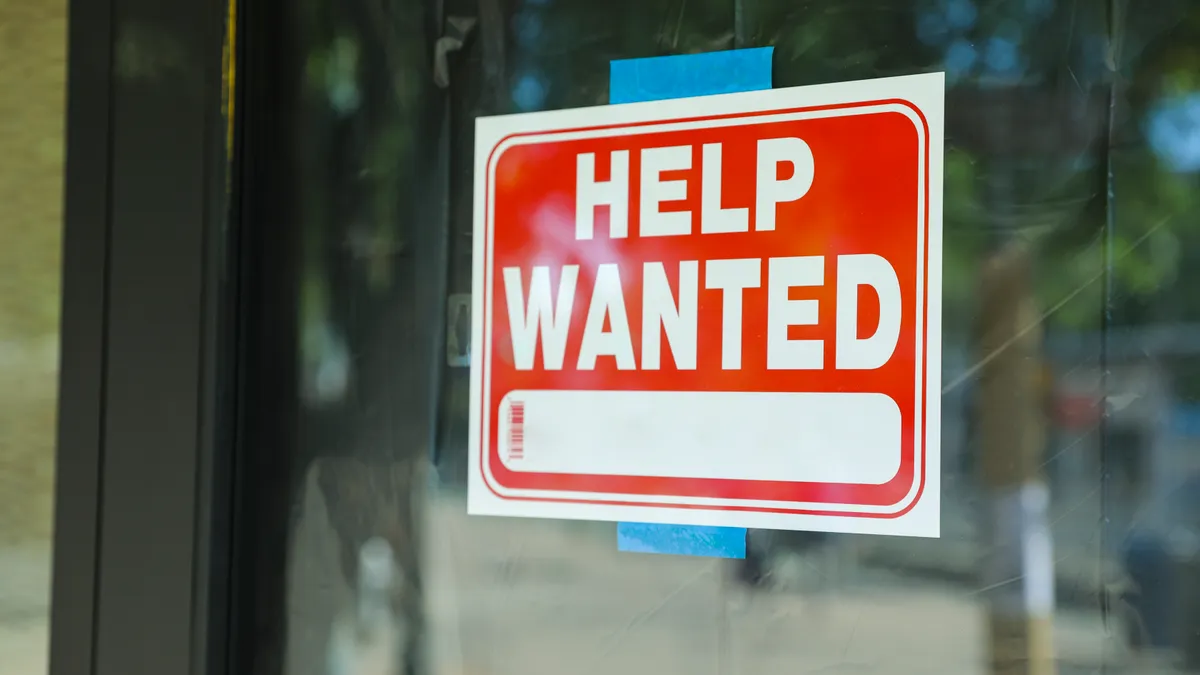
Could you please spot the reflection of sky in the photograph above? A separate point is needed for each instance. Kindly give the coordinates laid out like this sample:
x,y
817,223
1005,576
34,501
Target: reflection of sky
x,y
1039,8
1000,55
529,92
931,27
1173,129
960,58
960,14
950,18
527,26
970,48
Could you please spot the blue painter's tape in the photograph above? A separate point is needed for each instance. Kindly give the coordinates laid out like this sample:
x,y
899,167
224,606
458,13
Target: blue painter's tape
x,y
1185,420
662,77
713,542
655,79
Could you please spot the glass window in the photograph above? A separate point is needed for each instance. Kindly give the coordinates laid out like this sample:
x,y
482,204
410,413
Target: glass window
x,y
1070,481
32,79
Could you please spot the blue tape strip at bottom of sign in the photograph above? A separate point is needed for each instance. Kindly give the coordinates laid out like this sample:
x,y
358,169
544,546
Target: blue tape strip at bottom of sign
x,y
699,540
655,79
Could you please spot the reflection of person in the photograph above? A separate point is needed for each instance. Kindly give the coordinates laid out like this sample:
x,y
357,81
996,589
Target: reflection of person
x,y
367,638
369,499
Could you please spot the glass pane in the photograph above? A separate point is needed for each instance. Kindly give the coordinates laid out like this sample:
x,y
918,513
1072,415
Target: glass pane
x,y
1071,512
32,79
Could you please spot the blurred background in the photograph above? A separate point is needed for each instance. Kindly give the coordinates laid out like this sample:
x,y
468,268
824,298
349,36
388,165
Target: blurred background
x,y
1071,392
1071,440
33,42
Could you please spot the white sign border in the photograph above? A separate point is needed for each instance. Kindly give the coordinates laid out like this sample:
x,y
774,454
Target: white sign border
x,y
924,92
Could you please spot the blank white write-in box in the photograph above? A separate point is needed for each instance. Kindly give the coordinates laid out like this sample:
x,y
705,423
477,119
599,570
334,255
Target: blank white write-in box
x,y
849,438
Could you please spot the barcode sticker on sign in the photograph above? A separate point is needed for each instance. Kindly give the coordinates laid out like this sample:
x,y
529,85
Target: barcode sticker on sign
x,y
516,430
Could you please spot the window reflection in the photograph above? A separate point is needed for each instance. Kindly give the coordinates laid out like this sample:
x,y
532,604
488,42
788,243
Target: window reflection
x,y
1071,520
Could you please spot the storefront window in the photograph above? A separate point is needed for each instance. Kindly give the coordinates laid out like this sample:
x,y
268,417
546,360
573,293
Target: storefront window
x,y
1069,353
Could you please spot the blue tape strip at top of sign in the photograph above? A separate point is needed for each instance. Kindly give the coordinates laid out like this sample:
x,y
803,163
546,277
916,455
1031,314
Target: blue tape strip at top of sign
x,y
663,77
655,79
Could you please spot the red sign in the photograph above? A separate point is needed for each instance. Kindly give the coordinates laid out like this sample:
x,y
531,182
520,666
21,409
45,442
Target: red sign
x,y
721,310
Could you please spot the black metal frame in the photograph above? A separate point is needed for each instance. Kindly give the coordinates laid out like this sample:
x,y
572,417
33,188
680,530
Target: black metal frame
x,y
152,524
143,453
261,479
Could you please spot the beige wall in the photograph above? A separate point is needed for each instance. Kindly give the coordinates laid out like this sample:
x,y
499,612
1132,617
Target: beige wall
x,y
32,94
32,79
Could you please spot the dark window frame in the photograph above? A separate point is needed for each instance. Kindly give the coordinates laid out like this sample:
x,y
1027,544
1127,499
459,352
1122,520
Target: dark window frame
x,y
146,409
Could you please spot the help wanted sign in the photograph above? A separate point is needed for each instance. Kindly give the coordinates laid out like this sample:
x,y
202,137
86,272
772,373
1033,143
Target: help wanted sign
x,y
716,311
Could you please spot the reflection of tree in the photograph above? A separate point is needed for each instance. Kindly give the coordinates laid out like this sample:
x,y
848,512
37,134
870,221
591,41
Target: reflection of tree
x,y
1155,205
1056,127
365,123
1059,53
